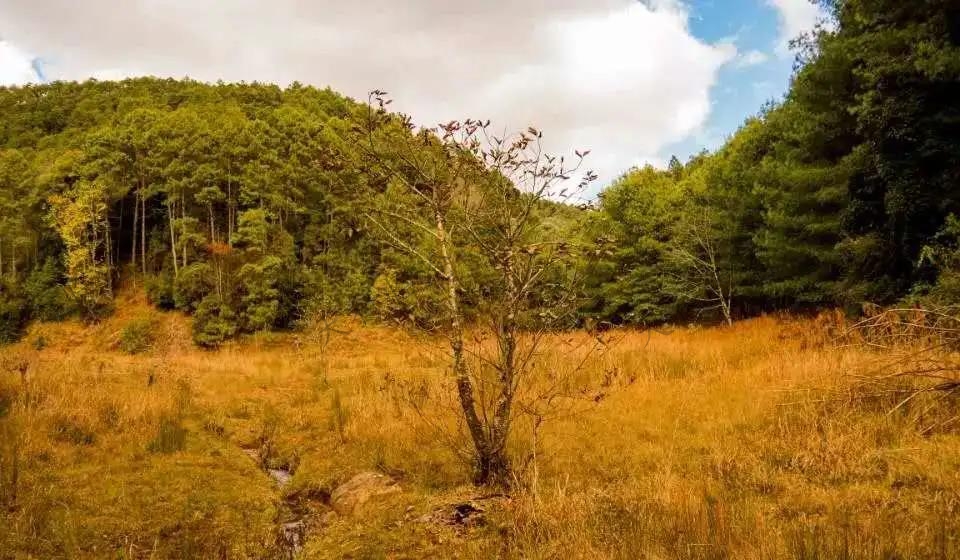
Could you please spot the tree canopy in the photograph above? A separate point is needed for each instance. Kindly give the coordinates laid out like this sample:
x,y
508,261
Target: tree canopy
x,y
840,194
248,204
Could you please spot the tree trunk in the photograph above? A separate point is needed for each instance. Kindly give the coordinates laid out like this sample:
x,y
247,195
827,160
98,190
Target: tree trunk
x,y
725,307
229,213
133,240
464,383
216,261
173,239
724,298
143,232
213,235
507,341
183,232
116,248
108,242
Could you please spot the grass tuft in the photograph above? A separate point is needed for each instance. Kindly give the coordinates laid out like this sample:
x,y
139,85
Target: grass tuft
x,y
138,335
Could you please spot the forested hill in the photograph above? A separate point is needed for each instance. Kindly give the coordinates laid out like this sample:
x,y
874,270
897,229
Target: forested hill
x,y
243,204
841,194
225,200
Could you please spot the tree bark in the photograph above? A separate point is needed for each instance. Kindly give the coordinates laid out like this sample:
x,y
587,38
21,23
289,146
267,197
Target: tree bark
x,y
230,210
143,232
108,242
464,383
173,238
213,236
116,248
134,240
183,221
507,340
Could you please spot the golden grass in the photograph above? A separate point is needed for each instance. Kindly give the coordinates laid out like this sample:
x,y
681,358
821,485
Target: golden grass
x,y
712,443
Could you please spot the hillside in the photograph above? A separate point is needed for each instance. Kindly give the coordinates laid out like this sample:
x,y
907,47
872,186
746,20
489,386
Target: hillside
x,y
707,445
240,320
253,206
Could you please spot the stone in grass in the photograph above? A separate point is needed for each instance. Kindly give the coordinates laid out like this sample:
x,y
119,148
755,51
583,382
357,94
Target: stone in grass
x,y
359,490
471,513
292,536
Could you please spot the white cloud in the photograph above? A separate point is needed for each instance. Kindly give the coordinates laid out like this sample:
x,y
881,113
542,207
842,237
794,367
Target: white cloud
x,y
622,78
751,58
16,66
796,18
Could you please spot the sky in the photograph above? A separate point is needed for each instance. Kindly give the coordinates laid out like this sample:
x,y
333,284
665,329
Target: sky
x,y
632,81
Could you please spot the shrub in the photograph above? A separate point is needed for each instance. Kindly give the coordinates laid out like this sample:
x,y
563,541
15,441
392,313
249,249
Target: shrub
x,y
10,458
386,295
138,335
339,416
13,316
171,435
260,304
393,299
73,430
40,342
159,290
192,285
213,323
292,291
49,300
947,289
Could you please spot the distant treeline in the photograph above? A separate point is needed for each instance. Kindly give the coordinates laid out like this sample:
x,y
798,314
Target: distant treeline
x,y
843,193
244,204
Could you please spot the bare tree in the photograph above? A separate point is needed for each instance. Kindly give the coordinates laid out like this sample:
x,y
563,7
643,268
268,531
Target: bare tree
x,y
460,184
696,264
918,366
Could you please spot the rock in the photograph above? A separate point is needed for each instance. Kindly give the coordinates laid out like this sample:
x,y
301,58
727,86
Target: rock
x,y
467,514
293,535
471,513
358,490
281,477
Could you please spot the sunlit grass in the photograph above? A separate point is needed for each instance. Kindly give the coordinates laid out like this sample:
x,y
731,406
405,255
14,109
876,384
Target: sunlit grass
x,y
709,443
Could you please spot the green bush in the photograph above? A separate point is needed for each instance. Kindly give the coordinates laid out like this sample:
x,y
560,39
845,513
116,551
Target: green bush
x,y
44,288
260,303
137,336
213,323
386,296
194,283
413,302
13,316
159,290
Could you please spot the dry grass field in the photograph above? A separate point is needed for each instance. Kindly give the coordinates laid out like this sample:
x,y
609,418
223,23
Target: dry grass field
x,y
748,442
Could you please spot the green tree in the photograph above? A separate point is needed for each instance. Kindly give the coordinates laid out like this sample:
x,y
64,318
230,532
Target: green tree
x,y
80,217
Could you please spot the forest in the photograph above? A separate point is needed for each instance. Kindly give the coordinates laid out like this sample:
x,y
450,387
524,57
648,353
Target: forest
x,y
239,320
245,204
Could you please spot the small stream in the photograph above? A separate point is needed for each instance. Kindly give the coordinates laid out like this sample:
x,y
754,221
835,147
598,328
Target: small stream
x,y
293,521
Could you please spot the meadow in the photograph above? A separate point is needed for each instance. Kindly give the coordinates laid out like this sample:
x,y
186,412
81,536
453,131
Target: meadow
x,y
756,441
